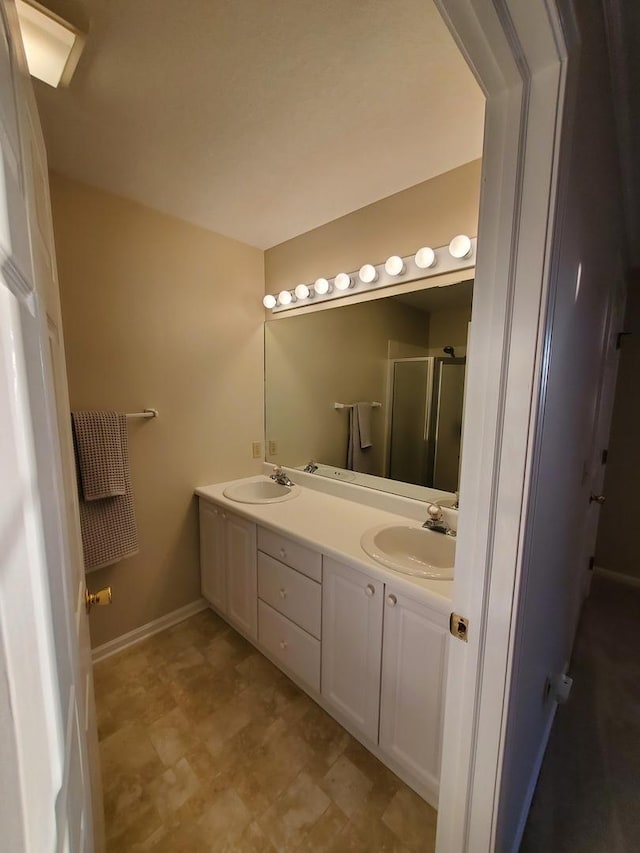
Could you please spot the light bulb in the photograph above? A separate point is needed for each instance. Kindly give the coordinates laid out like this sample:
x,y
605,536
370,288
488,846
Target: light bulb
x,y
269,301
460,247
394,265
321,286
368,273
425,258
343,281
302,291
285,297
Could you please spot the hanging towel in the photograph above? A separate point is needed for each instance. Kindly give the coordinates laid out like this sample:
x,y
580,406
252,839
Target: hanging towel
x,y
359,441
107,517
98,438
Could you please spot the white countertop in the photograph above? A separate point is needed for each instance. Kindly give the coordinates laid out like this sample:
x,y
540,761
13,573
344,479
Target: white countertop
x,y
334,525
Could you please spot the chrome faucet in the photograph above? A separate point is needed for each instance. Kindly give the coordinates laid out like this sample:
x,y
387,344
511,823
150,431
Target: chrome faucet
x,y
280,477
436,520
310,467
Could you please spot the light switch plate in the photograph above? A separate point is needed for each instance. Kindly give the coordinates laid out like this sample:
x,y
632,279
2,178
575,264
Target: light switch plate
x,y
256,449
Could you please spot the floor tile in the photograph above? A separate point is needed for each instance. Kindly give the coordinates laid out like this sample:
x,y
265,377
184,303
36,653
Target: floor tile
x,y
206,746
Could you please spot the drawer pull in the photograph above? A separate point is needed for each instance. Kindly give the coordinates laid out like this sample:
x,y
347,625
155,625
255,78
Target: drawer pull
x,y
283,553
283,593
392,600
370,589
283,644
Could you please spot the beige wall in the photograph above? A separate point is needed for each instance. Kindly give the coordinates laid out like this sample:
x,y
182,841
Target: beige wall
x,y
431,213
617,547
326,357
158,312
449,328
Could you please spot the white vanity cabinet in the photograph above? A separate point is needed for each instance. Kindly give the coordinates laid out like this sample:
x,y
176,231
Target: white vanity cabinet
x,y
228,566
414,658
290,605
368,652
352,644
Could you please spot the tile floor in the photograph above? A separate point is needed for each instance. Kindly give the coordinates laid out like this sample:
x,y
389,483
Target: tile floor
x,y
206,746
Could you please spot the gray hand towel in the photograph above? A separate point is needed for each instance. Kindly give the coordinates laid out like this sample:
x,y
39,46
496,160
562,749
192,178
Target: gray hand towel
x,y
359,440
107,522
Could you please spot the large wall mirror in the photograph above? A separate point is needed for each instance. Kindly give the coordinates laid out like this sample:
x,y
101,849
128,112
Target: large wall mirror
x,y
402,358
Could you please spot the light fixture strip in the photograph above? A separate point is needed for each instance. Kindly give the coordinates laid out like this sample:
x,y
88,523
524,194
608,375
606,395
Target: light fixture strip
x,y
444,262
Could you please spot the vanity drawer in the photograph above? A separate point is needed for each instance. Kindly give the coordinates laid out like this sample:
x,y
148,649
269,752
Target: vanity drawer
x,y
296,650
303,559
291,593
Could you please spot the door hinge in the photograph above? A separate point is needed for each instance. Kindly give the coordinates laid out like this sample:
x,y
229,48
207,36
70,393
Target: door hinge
x,y
459,627
592,562
605,456
619,338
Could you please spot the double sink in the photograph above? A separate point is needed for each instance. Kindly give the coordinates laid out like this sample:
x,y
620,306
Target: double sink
x,y
405,548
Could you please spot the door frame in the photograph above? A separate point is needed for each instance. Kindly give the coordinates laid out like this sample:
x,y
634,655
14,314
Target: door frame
x,y
518,52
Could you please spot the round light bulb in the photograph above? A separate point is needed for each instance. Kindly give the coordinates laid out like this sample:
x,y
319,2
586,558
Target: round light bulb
x,y
285,297
269,301
343,281
425,258
460,247
394,265
302,291
321,286
368,274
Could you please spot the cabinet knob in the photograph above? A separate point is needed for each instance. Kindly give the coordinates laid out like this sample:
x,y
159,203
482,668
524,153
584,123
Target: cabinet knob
x,y
283,593
370,589
283,644
283,553
392,600
223,514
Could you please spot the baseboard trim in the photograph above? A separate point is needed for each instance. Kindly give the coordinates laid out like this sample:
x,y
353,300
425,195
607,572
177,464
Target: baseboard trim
x,y
148,630
617,577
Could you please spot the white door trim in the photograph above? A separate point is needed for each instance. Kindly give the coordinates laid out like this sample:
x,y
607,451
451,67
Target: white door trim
x,y
518,53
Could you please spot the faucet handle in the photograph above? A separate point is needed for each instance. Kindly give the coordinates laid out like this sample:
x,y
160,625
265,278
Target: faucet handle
x,y
434,511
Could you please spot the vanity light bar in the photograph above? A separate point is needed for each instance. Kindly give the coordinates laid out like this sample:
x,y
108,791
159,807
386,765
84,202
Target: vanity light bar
x,y
459,254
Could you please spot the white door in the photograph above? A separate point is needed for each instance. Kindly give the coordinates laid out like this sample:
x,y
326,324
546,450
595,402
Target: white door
x,y
242,574
414,652
213,562
603,404
352,645
45,644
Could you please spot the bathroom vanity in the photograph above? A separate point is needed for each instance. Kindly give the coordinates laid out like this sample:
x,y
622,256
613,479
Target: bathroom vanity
x,y
368,644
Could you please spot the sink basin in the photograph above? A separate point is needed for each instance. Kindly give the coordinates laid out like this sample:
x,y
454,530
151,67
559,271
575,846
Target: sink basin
x,y
260,492
411,550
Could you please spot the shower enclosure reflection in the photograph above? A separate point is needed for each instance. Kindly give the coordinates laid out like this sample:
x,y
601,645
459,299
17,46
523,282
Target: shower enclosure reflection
x,y
406,351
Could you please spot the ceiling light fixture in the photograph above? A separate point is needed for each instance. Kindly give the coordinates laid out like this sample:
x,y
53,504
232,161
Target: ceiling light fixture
x,y
460,247
269,301
343,281
51,45
285,297
368,274
425,258
425,263
394,265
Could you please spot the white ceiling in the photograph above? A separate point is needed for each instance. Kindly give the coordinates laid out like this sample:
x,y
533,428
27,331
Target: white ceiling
x,y
261,119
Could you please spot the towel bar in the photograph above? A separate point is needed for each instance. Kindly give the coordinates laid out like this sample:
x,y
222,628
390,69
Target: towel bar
x,y
373,405
147,413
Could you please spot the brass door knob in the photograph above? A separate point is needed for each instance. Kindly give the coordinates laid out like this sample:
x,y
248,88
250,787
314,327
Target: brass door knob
x,y
101,597
598,499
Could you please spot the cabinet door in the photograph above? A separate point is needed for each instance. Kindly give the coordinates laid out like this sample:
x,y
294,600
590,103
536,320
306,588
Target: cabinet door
x,y
413,673
242,574
213,576
352,644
